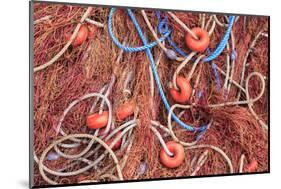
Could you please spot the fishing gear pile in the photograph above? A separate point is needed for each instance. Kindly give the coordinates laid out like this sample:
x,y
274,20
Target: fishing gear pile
x,y
132,94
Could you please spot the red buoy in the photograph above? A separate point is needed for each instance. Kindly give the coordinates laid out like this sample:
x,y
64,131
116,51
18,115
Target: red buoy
x,y
252,167
117,145
97,121
184,94
125,111
81,37
200,44
178,155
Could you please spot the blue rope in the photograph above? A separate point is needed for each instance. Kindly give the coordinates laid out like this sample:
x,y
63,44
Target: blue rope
x,y
214,66
150,56
127,48
223,42
163,28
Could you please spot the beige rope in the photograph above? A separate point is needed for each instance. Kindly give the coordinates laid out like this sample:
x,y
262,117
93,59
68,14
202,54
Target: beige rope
x,y
41,170
231,80
182,24
201,160
212,28
125,158
227,159
162,142
162,45
194,67
219,23
203,18
175,138
227,67
152,30
98,24
241,163
233,59
45,18
245,60
180,67
196,83
90,163
208,23
248,101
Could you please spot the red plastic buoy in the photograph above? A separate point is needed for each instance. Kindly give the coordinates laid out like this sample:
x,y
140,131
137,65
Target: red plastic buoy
x,y
178,155
184,94
117,145
252,167
198,45
81,37
125,111
97,121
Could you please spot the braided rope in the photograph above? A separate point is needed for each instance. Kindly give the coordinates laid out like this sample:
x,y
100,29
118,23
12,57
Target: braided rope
x,y
201,160
253,43
224,155
241,163
127,48
223,42
182,25
162,142
41,167
84,97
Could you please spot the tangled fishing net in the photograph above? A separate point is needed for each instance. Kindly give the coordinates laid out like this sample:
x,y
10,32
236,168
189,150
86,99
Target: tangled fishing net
x,y
224,123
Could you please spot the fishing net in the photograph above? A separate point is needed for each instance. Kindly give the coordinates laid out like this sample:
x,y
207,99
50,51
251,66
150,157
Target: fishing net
x,y
234,130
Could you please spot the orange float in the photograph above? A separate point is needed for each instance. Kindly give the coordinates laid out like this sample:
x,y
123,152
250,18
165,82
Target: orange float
x,y
178,155
125,111
117,145
81,37
200,44
97,121
252,166
184,94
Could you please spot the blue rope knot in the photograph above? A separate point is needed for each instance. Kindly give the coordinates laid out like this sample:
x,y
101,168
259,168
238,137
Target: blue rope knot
x,y
163,28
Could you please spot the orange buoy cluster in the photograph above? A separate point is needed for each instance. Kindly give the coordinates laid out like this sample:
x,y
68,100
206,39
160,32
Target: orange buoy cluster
x,y
200,44
98,121
184,94
178,155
